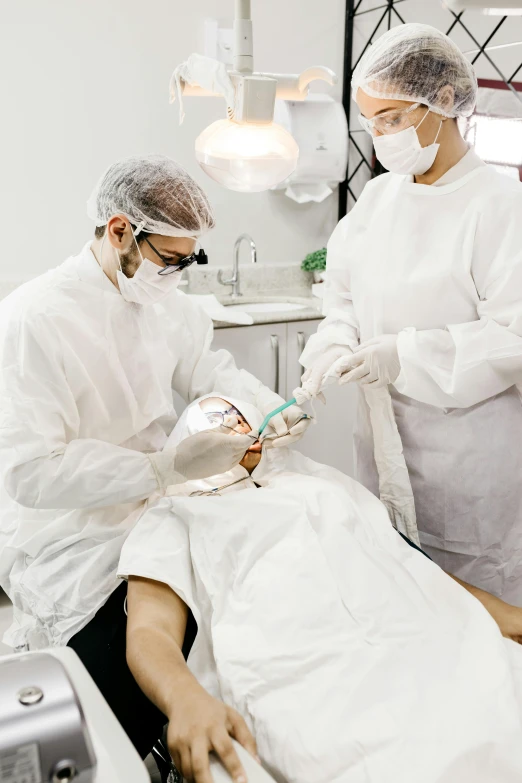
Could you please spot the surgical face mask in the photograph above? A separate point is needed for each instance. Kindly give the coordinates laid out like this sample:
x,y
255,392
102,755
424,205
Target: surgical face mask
x,y
146,286
402,152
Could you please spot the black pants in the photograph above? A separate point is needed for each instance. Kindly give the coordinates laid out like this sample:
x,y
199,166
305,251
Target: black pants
x,y
101,645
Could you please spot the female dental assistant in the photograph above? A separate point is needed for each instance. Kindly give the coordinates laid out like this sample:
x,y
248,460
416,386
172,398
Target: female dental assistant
x,y
424,292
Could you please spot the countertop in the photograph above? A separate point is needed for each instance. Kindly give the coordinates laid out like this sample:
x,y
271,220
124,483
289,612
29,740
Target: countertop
x,y
311,310
259,283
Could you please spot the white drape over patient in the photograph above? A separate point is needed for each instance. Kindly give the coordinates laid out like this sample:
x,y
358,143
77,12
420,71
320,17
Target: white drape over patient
x,y
350,654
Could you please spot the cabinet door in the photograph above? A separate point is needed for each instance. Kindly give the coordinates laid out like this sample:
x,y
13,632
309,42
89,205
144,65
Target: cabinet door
x,y
330,440
259,349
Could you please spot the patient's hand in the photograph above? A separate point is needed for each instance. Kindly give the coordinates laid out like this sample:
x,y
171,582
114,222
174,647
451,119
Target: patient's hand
x,y
509,620
507,617
200,724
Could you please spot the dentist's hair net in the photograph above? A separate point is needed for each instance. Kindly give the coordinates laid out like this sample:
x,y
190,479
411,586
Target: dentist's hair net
x,y
155,194
193,419
415,62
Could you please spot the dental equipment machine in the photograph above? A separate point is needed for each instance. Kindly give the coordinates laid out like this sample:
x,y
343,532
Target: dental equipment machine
x,y
56,727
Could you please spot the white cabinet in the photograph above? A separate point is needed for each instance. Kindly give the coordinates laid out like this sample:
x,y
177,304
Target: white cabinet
x,y
259,349
271,353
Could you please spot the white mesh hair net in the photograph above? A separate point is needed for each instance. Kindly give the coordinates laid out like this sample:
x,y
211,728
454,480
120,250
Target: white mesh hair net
x,y
155,194
415,62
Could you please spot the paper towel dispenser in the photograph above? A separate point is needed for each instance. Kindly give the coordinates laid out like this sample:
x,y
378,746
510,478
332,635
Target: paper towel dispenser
x,y
319,126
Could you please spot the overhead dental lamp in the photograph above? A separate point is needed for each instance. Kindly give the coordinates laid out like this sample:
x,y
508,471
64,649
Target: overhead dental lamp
x,y
490,7
247,151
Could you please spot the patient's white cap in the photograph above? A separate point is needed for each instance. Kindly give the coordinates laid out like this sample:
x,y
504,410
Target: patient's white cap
x,y
193,419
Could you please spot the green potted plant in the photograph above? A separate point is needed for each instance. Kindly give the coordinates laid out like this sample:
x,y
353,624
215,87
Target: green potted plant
x,y
316,262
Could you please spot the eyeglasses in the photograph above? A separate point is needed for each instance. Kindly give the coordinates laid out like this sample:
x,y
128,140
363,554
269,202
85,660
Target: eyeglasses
x,y
388,122
177,266
217,419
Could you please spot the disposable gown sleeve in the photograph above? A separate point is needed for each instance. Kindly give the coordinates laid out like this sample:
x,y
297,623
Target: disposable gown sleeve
x,y
200,370
340,325
43,462
467,363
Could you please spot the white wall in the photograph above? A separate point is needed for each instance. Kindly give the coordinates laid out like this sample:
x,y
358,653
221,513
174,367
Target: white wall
x,y
84,83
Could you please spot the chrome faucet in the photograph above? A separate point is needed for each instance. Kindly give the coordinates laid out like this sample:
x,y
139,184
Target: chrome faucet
x,y
234,280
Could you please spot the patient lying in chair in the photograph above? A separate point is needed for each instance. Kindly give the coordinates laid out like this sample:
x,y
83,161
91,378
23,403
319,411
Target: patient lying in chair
x,y
348,655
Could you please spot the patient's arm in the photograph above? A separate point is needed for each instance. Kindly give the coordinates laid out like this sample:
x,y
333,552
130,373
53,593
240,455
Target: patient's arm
x,y
507,617
198,723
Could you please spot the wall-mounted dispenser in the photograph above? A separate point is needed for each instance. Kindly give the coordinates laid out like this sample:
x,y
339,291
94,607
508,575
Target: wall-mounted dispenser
x,y
319,126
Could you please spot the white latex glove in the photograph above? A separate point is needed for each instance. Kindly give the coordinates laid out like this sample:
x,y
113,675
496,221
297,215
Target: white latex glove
x,y
313,379
199,456
375,362
285,428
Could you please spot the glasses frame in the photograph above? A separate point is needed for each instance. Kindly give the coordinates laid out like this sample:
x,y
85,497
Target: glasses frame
x,y
234,412
369,125
200,257
230,411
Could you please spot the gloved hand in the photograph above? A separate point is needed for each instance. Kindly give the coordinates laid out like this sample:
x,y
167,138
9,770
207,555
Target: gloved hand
x,y
286,427
204,454
312,380
374,362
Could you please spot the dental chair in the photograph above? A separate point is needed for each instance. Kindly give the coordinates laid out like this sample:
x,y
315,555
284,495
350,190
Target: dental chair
x,y
254,772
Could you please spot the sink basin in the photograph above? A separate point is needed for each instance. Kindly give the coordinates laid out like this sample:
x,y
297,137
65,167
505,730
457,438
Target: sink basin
x,y
267,307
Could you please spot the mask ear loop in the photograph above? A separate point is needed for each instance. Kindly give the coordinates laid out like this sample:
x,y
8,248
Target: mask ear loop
x,y
420,123
119,261
438,132
135,233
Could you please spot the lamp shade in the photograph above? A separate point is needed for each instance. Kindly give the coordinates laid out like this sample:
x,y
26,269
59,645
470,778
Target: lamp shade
x,y
245,156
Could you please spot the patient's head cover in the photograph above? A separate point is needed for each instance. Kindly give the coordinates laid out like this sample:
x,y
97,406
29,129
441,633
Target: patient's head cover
x,y
194,419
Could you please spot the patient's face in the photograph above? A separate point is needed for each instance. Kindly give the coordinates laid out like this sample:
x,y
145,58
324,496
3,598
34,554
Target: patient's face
x,y
228,415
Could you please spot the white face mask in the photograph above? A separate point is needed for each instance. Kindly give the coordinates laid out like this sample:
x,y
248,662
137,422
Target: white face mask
x,y
402,152
146,286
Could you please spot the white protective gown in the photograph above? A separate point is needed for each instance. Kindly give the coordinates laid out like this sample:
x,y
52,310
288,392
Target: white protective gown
x,y
441,266
352,657
86,383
